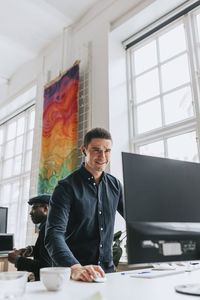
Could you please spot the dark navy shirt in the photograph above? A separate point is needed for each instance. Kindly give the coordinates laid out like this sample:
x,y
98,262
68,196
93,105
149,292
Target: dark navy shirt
x,y
81,219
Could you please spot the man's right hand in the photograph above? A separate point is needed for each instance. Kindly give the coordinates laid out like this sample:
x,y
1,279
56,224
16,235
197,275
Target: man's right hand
x,y
85,273
21,251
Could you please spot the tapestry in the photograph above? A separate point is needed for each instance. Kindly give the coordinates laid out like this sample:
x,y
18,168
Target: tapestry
x,y
59,144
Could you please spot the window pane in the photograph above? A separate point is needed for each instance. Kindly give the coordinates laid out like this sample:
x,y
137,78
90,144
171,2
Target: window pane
x,y
29,140
7,168
12,217
145,57
24,211
9,149
154,149
198,25
5,194
178,105
11,131
26,189
175,73
183,147
31,120
1,136
172,42
19,145
17,164
20,125
28,161
149,116
147,86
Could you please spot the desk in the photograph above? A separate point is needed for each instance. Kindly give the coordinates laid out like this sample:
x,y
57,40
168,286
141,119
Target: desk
x,y
4,259
118,287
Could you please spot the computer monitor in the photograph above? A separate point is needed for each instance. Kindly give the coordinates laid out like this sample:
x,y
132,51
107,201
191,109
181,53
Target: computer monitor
x,y
3,219
162,206
6,243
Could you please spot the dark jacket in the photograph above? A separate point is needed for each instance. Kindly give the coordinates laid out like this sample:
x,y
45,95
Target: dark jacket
x,y
40,255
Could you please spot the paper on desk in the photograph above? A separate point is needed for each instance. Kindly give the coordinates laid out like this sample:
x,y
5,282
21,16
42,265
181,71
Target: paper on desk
x,y
96,296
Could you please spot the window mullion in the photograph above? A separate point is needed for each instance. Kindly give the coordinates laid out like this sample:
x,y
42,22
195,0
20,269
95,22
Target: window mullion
x,y
131,120
190,33
160,83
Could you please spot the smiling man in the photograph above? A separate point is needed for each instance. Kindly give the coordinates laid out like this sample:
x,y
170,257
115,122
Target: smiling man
x,y
80,222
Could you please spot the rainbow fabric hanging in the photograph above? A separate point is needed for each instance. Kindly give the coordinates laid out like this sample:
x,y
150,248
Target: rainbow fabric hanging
x,y
59,145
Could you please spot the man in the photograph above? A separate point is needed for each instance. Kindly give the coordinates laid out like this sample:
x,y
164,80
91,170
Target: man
x,y
80,223
41,259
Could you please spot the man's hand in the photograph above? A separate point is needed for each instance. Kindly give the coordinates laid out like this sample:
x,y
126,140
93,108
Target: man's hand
x,y
12,256
21,251
84,273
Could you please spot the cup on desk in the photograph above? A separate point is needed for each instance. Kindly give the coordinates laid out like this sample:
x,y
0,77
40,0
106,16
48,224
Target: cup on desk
x,y
12,284
54,278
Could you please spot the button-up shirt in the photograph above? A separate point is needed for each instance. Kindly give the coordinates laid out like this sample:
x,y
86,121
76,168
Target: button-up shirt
x,y
81,218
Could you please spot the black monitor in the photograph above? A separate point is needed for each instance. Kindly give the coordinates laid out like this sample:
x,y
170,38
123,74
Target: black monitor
x,y
3,219
162,206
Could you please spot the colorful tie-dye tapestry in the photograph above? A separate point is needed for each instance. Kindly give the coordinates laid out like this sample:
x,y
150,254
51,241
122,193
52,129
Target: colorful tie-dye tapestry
x,y
59,148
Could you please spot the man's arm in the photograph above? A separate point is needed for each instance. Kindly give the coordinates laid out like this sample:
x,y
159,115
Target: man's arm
x,y
24,264
56,225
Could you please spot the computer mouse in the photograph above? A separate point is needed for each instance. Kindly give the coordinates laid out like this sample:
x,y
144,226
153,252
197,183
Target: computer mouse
x,y
99,279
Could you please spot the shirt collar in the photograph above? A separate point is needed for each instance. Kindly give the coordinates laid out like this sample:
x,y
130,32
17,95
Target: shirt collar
x,y
87,175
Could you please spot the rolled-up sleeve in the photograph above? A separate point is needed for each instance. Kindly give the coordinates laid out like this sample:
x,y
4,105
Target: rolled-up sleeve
x,y
57,220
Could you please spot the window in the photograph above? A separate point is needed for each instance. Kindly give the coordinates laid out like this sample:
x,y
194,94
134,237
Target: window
x,y
163,88
16,138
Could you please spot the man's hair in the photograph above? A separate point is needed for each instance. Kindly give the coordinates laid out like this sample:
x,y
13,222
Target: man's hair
x,y
96,133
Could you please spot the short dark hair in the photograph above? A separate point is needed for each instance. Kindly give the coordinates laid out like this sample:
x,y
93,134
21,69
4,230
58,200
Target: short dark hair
x,y
96,133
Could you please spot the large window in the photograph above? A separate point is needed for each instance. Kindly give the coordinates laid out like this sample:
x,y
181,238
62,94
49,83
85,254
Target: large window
x,y
163,85
16,138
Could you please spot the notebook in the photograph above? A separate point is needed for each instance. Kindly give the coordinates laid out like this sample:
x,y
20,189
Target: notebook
x,y
6,243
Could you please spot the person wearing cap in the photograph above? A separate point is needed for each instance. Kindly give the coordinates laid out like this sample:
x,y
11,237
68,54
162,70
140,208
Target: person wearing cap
x,y
41,259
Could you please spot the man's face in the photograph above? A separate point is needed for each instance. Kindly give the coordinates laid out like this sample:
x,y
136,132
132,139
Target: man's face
x,y
97,154
38,212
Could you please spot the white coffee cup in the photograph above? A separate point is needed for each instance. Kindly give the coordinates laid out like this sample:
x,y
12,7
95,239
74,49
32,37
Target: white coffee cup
x,y
54,278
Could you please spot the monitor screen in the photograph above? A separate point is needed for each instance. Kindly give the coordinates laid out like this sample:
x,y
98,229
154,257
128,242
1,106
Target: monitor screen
x,y
6,242
3,219
162,206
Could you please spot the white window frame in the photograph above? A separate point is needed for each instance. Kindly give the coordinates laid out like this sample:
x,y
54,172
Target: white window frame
x,y
28,100
193,123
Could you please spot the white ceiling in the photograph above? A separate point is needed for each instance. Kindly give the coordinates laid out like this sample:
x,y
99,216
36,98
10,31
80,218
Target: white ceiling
x,y
27,26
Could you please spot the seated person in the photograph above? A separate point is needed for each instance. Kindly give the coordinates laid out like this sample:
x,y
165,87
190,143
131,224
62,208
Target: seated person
x,y
41,259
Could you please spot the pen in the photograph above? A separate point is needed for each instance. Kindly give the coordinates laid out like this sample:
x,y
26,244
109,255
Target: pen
x,y
143,272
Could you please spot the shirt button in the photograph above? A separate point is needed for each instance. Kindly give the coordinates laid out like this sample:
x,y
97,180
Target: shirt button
x,y
101,245
101,228
94,183
100,212
88,178
99,262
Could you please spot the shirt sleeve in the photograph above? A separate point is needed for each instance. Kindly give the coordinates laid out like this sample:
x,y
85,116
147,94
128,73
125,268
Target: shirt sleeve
x,y
120,207
56,226
27,264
